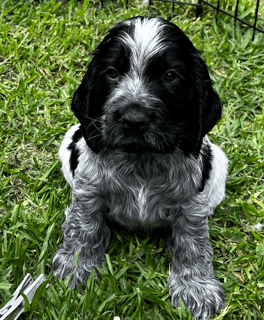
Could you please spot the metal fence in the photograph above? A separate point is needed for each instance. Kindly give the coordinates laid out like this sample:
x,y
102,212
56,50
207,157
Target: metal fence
x,y
199,10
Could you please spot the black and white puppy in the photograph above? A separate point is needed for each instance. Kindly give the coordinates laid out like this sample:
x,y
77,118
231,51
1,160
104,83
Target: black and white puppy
x,y
141,157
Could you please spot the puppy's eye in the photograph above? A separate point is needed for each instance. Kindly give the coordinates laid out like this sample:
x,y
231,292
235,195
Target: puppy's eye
x,y
112,75
171,76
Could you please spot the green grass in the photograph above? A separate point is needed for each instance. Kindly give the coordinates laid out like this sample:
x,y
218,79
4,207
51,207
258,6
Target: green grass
x,y
44,52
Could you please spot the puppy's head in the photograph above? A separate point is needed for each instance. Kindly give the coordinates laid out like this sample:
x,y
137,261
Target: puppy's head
x,y
146,90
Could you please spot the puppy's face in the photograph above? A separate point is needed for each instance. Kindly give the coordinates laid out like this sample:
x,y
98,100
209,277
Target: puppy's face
x,y
146,90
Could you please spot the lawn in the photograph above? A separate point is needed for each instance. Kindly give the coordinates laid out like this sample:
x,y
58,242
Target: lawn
x,y
44,52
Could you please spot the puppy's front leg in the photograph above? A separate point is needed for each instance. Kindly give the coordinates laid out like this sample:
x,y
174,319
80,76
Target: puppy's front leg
x,y
192,276
85,231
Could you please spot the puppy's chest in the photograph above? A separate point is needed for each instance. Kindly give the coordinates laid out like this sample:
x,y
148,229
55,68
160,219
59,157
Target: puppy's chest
x,y
141,203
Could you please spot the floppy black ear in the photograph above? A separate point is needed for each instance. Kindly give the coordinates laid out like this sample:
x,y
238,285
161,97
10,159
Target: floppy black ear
x,y
80,104
86,108
85,99
206,106
210,103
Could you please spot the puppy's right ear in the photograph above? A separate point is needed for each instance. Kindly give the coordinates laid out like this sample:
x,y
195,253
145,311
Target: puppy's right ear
x,y
86,108
80,104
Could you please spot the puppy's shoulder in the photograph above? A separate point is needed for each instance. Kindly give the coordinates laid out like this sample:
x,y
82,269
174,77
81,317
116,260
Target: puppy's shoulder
x,y
72,148
219,159
215,185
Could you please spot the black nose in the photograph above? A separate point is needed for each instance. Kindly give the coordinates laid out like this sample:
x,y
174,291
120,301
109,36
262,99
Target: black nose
x,y
134,120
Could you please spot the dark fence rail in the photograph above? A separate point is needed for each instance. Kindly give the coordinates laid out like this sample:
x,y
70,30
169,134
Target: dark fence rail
x,y
199,10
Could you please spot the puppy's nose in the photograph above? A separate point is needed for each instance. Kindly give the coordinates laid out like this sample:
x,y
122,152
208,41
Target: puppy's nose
x,y
134,120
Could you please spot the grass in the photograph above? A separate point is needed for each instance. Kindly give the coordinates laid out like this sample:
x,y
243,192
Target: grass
x,y
44,52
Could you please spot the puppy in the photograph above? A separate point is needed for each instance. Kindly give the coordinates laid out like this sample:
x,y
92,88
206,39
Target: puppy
x,y
141,156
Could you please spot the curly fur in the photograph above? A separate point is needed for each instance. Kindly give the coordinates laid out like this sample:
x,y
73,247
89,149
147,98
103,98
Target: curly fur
x,y
141,156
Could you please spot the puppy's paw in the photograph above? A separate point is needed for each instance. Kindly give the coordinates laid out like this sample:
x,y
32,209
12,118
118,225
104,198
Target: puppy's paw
x,y
63,265
203,296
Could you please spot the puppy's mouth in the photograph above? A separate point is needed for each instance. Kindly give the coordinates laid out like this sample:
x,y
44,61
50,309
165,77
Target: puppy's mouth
x,y
150,139
137,147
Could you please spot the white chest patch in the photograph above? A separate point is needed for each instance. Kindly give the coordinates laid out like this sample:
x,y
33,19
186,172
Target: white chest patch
x,y
142,202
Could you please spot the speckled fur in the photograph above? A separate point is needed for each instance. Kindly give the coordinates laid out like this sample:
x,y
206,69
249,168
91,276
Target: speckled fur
x,y
146,190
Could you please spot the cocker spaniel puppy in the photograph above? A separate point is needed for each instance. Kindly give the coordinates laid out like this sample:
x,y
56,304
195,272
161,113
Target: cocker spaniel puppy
x,y
141,157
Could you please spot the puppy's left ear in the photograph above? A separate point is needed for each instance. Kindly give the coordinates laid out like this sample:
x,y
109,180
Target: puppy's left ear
x,y
210,103
206,104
